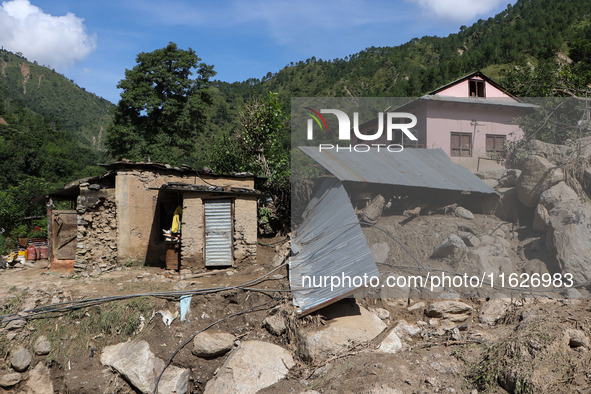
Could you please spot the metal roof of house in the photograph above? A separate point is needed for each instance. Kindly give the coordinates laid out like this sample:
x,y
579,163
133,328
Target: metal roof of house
x,y
508,102
429,168
329,243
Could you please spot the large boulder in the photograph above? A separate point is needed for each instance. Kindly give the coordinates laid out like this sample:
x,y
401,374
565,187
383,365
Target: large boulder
x,y
558,195
352,325
569,237
555,153
251,367
537,175
137,364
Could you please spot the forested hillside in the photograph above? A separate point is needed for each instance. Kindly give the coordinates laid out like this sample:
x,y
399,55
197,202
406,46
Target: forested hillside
x,y
50,94
524,34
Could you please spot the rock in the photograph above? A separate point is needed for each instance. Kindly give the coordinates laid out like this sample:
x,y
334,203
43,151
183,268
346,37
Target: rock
x,y
492,257
510,178
391,344
470,239
352,325
405,330
281,254
275,324
15,324
577,338
558,195
21,359
213,344
438,309
251,367
537,176
451,246
10,379
553,152
493,310
569,237
416,307
491,173
382,313
136,362
40,380
541,218
456,318
507,207
42,346
463,213
380,251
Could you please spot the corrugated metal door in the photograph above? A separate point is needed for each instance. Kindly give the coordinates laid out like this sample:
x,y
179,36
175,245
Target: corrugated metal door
x,y
218,233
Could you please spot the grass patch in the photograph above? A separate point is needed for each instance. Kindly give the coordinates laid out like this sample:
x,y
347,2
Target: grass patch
x,y
82,330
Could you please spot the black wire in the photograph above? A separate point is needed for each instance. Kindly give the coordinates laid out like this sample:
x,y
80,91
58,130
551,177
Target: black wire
x,y
202,330
73,305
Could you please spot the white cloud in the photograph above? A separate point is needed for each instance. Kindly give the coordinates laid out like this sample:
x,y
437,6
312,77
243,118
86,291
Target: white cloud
x,y
458,10
57,41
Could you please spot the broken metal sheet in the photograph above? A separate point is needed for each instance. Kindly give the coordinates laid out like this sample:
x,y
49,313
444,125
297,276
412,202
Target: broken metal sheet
x,y
329,243
429,168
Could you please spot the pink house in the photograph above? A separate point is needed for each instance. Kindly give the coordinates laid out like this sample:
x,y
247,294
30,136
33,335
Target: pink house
x,y
470,119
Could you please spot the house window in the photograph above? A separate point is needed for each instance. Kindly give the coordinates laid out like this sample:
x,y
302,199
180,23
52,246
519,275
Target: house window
x,y
461,144
477,88
495,144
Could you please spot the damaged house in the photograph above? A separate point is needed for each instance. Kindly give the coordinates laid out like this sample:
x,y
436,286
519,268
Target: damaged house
x,y
329,241
121,217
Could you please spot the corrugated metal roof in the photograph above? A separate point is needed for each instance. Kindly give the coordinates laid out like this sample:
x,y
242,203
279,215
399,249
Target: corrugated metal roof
x,y
329,243
430,168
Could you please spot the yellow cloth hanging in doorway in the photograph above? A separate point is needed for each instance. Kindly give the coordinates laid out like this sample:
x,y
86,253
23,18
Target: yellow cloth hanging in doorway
x,y
176,220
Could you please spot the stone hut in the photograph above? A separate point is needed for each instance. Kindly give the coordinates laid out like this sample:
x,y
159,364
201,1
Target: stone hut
x,y
119,217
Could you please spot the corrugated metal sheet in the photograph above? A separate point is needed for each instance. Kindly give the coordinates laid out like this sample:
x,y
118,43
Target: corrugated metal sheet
x,y
218,233
329,243
430,168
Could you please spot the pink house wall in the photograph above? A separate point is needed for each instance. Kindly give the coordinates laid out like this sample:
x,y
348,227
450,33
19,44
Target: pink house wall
x,y
479,120
462,89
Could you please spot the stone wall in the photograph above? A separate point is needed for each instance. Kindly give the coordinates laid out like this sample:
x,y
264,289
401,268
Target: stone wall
x,y
96,248
245,228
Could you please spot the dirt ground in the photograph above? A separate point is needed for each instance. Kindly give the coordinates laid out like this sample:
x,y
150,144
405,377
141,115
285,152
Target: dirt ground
x,y
529,350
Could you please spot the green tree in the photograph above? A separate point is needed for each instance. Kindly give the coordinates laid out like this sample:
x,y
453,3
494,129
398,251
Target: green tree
x,y
260,146
162,107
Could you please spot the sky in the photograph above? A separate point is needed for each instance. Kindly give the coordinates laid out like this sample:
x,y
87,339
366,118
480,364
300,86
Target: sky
x,y
94,42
